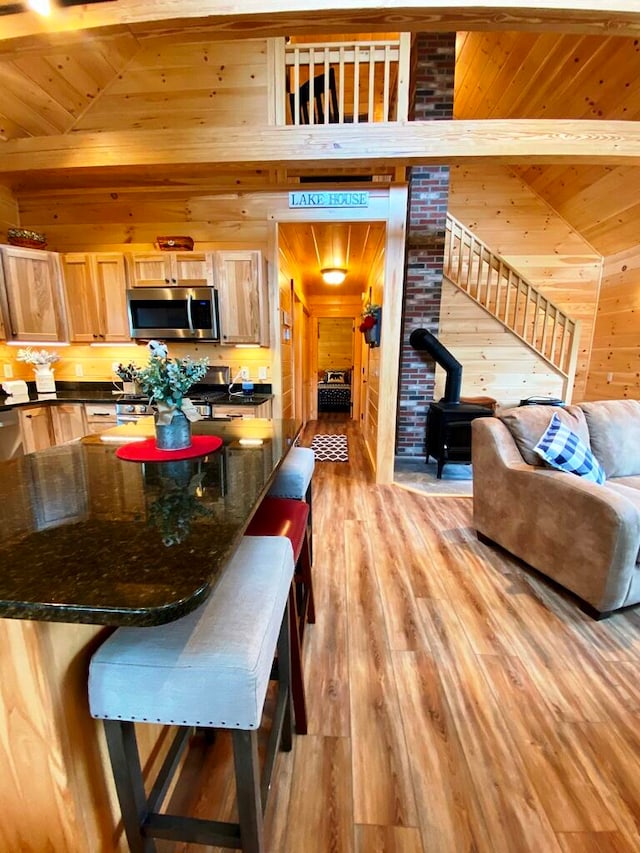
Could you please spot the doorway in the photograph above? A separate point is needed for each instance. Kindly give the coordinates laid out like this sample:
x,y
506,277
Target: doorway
x,y
335,360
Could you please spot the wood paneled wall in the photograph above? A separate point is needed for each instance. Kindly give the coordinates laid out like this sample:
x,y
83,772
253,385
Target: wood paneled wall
x,y
9,216
520,226
614,371
495,363
190,81
335,343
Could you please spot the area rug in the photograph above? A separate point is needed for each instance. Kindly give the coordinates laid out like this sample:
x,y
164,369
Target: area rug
x,y
330,448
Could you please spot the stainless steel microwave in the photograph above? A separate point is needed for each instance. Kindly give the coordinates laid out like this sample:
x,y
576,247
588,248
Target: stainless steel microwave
x,y
183,313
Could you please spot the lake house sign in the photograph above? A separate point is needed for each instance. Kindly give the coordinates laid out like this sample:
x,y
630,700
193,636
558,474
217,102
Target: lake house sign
x,y
329,198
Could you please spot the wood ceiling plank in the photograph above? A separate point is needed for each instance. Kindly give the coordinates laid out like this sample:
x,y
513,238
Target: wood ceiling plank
x,y
275,17
48,78
410,143
220,109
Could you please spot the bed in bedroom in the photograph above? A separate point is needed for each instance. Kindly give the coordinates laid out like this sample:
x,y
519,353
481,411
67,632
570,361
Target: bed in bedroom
x,y
334,391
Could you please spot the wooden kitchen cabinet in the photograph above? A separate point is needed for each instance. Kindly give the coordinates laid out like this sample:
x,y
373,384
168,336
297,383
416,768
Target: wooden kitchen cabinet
x,y
243,411
95,285
170,269
37,428
242,297
68,422
99,417
32,298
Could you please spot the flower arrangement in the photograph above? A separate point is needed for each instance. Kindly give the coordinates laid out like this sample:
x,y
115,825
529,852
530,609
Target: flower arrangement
x,y
127,372
369,316
39,358
166,381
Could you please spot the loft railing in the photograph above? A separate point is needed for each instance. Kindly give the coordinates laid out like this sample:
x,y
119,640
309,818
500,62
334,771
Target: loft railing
x,y
510,298
346,82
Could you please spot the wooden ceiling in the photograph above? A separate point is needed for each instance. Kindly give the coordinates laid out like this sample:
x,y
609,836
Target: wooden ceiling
x,y
140,76
548,75
353,246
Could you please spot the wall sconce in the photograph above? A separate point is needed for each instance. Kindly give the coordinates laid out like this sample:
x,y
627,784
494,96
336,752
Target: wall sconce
x,y
333,275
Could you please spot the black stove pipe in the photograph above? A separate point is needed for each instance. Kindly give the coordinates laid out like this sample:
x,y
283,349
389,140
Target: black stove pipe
x,y
422,339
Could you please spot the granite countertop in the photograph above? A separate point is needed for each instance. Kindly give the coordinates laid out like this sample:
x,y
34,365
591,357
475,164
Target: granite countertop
x,y
107,392
87,537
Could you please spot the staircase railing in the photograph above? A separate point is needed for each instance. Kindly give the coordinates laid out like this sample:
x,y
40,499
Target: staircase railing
x,y
493,283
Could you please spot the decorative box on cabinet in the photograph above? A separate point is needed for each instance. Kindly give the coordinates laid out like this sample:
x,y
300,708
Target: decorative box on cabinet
x,y
32,297
162,269
95,284
243,303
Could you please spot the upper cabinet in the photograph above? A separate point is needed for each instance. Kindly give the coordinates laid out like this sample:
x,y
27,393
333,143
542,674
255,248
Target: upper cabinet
x,y
242,297
170,269
95,284
32,297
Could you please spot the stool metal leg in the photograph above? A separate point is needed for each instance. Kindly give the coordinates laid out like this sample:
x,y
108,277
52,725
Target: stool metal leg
x,y
127,774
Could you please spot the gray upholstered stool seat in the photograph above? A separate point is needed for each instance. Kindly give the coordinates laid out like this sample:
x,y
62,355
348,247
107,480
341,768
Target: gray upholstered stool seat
x,y
293,480
209,669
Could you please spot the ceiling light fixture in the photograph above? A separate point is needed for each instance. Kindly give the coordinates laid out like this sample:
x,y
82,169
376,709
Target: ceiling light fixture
x,y
333,275
42,7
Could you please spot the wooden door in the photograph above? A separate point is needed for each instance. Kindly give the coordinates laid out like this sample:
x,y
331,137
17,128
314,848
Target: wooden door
x,y
37,429
237,278
111,286
150,269
33,284
68,421
192,269
82,303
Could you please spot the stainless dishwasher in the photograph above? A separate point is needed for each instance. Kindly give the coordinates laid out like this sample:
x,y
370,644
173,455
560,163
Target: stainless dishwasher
x,y
10,436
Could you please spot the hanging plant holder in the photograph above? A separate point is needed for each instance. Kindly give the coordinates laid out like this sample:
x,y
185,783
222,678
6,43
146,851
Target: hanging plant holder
x,y
371,330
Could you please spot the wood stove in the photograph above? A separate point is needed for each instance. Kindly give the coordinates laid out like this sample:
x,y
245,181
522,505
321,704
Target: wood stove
x,y
448,430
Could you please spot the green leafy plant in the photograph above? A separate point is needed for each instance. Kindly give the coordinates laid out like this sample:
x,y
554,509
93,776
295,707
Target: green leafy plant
x,y
166,380
127,372
174,510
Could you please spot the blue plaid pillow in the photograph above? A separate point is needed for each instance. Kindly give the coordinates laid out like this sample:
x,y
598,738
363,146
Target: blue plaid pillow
x,y
563,449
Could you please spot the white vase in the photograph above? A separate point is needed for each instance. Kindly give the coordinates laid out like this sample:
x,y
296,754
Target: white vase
x,y
45,383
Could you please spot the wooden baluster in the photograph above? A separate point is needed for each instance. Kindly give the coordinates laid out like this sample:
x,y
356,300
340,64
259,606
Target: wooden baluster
x,y
341,76
387,83
312,92
356,85
372,84
545,323
554,337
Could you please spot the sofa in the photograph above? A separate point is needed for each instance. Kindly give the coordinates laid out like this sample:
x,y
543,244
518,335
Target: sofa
x,y
584,535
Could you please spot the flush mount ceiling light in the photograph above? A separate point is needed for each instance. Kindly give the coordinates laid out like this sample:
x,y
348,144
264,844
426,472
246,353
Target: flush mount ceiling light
x,y
333,275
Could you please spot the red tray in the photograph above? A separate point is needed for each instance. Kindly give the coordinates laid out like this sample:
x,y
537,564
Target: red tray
x,y
146,451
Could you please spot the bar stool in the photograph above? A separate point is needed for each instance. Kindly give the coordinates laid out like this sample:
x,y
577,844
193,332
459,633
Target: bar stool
x,y
293,480
209,669
288,517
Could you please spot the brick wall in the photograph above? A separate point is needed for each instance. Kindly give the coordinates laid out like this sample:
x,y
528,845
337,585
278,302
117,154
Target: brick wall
x,y
433,70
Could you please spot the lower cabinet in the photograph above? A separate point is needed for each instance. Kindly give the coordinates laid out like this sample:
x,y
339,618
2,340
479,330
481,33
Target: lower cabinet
x,y
244,412
69,422
47,426
99,416
37,428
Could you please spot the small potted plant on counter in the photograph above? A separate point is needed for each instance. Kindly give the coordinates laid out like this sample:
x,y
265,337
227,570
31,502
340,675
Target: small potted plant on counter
x,y
41,360
128,373
166,381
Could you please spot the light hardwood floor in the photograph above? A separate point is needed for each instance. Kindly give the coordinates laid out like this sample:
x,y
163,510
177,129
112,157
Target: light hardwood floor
x,y
457,702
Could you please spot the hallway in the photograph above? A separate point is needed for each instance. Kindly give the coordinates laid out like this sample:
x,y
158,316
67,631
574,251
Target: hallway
x,y
456,701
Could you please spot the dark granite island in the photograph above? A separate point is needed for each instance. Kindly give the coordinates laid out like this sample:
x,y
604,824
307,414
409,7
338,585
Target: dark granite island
x,y
86,541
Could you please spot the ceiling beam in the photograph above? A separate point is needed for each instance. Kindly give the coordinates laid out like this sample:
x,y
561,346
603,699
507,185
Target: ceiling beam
x,y
412,143
260,18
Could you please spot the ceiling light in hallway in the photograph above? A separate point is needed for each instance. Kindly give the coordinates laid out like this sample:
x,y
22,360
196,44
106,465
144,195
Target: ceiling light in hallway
x,y
333,275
